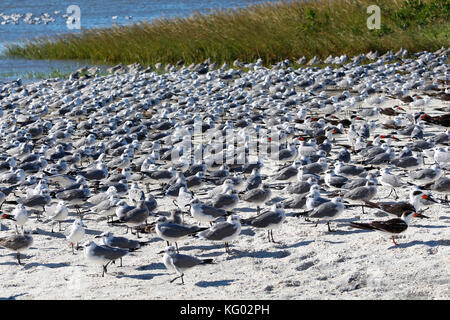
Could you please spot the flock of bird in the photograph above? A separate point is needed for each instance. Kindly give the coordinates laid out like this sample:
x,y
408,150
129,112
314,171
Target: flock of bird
x,y
44,18
177,155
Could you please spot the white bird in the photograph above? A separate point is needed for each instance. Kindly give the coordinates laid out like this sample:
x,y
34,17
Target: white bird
x,y
57,213
75,233
135,194
19,215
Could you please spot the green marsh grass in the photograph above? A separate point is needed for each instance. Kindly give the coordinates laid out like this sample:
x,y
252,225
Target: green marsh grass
x,y
270,31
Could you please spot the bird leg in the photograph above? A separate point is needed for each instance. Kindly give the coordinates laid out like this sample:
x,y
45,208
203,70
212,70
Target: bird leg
x,y
271,234
390,193
227,248
329,229
393,240
362,206
104,269
176,246
396,195
180,276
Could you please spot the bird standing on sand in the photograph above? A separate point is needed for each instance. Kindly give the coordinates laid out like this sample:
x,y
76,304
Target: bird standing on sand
x,y
223,231
269,220
392,226
102,254
75,233
181,262
17,243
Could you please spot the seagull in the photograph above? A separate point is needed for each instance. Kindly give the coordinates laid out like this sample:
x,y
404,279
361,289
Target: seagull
x,y
102,196
135,193
226,200
135,217
181,262
334,180
362,194
17,243
108,239
184,198
107,207
392,226
75,197
170,231
269,220
409,163
37,201
427,175
57,213
442,185
225,231
328,211
205,213
102,254
75,233
253,181
257,196
391,180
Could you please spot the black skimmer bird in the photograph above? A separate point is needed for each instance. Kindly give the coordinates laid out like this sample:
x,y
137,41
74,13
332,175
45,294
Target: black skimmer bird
x,y
393,226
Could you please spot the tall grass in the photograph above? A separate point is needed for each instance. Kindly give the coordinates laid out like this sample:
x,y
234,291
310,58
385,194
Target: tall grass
x,y
270,31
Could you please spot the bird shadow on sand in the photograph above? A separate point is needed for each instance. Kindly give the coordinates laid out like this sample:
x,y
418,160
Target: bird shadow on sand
x,y
203,247
248,232
152,266
220,283
147,276
261,254
298,244
13,297
55,234
48,265
429,227
431,243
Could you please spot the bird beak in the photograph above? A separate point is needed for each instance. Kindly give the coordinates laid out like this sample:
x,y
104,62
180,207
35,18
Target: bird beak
x,y
163,251
419,215
99,236
427,197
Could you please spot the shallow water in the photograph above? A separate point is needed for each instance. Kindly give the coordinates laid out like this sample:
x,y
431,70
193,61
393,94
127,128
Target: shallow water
x,y
93,14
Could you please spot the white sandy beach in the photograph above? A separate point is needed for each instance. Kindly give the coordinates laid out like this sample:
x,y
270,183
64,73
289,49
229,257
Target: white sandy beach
x,y
309,262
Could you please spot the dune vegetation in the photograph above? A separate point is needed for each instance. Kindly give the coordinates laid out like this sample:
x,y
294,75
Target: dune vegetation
x,y
271,31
